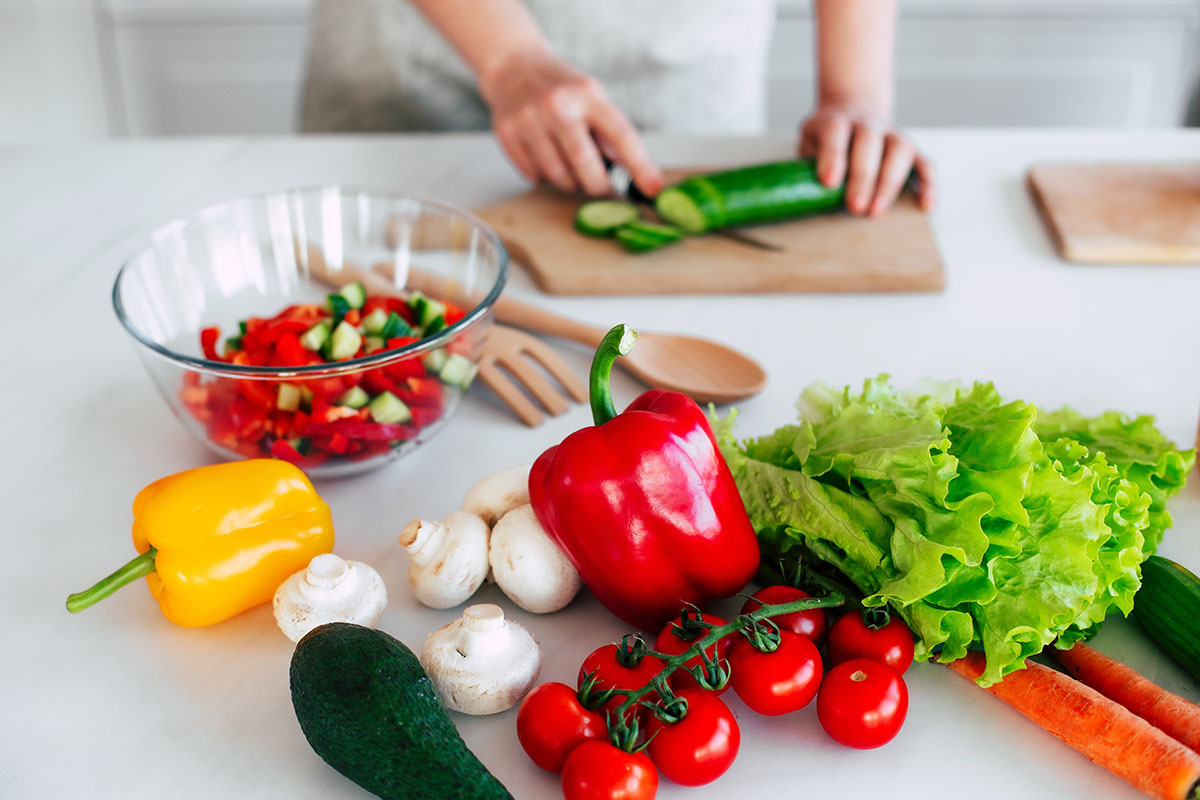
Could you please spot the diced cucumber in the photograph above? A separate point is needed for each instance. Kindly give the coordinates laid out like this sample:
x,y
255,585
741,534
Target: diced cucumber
x,y
373,323
355,397
458,370
345,341
337,306
233,343
395,326
387,409
287,397
426,308
373,343
355,294
300,443
602,217
315,337
306,397
242,327
434,326
434,360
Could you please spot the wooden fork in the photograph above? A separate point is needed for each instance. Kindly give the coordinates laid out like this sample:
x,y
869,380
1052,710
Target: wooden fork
x,y
505,350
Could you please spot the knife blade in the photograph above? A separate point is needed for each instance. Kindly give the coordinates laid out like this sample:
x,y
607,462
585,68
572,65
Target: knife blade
x,y
621,181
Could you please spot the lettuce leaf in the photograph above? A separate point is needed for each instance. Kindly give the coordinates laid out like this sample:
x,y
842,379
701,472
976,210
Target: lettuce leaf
x,y
982,522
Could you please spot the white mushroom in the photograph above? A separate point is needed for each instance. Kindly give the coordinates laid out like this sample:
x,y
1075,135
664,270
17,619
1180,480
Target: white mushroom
x,y
330,590
449,558
482,663
529,566
497,494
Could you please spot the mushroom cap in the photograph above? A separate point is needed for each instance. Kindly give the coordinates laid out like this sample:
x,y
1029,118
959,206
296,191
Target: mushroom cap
x,y
529,567
496,494
449,558
329,590
482,663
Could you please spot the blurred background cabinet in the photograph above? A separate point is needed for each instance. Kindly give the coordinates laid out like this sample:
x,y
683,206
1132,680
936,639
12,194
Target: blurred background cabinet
x,y
179,67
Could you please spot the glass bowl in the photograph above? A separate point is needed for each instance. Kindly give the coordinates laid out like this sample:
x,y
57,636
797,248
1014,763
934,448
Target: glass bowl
x,y
218,302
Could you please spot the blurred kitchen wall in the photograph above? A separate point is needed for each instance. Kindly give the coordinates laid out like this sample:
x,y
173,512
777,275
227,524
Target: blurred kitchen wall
x,y
86,68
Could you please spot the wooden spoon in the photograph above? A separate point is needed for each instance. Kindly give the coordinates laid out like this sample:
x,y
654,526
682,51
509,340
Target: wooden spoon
x,y
707,371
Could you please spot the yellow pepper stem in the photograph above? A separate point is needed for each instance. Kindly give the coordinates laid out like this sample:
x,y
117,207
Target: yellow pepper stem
x,y
139,567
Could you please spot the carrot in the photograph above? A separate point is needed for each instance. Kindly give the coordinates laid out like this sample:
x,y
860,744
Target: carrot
x,y
1168,712
1109,735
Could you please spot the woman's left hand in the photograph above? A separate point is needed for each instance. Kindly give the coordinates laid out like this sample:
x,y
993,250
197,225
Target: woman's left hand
x,y
859,147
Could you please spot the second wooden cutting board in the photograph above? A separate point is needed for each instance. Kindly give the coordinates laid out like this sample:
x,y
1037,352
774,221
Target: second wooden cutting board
x,y
829,253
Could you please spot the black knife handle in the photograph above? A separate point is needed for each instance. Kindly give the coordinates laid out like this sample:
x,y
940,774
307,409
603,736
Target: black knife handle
x,y
621,181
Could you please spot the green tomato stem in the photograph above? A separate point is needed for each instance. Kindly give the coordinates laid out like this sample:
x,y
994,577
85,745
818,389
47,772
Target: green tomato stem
x,y
715,634
138,567
617,342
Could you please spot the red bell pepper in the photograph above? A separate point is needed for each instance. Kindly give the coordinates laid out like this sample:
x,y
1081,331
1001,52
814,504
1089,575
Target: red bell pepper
x,y
643,504
208,342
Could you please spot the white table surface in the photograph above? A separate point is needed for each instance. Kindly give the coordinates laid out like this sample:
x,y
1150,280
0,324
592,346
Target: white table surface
x,y
118,702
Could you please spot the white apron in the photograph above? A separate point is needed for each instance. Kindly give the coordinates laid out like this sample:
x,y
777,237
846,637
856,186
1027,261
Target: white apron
x,y
680,66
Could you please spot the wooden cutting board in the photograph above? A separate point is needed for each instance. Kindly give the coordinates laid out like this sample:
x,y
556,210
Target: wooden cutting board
x,y
1121,213
895,252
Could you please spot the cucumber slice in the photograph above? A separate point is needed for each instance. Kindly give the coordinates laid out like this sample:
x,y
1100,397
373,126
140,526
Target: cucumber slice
x,y
387,409
636,240
315,337
373,323
426,308
345,341
458,371
287,397
233,343
395,326
354,397
602,217
435,360
355,294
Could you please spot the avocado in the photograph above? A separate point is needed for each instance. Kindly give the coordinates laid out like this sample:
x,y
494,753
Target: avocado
x,y
367,707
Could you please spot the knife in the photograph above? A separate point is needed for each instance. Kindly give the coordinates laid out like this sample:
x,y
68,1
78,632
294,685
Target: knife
x,y
621,181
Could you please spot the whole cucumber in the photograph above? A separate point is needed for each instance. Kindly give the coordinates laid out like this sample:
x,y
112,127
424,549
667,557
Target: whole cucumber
x,y
1168,608
747,195
367,707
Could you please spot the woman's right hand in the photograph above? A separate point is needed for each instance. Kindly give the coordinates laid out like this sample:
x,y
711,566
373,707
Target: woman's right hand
x,y
551,119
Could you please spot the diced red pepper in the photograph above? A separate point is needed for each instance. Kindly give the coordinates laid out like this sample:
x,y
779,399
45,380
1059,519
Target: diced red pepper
x,y
337,443
367,431
452,313
272,330
353,316
404,369
370,450
289,352
305,311
283,449
401,307
397,342
260,393
376,381
208,342
425,391
300,423
423,416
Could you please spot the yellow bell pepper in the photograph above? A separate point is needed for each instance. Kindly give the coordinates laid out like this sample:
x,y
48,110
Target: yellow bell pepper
x,y
217,540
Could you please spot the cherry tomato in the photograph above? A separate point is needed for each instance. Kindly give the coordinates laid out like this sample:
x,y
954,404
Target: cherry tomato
x,y
862,703
552,723
699,748
812,623
873,634
779,682
597,770
671,642
614,667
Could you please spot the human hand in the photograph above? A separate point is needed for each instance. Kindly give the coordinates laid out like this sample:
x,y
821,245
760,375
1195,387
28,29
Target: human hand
x,y
552,120
854,145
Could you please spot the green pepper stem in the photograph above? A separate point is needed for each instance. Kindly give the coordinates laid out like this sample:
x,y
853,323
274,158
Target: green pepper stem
x,y
617,342
139,567
715,634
